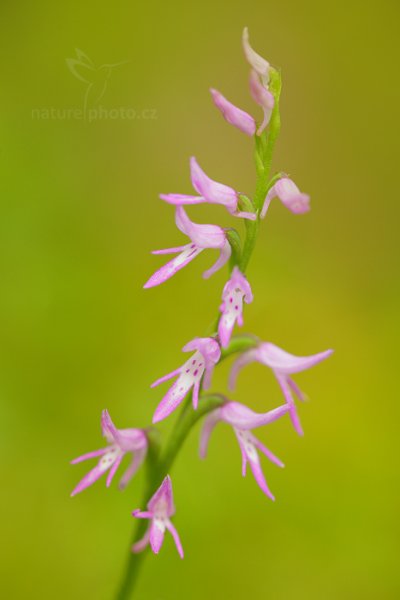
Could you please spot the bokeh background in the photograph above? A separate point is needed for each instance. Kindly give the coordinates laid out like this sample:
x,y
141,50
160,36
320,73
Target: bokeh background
x,y
80,214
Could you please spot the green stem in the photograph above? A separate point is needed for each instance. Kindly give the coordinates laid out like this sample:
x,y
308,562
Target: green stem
x,y
252,228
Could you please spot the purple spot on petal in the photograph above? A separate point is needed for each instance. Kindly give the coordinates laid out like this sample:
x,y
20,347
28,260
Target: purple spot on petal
x,y
193,362
236,308
195,373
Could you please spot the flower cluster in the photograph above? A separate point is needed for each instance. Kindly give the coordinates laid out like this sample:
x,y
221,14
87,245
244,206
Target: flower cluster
x,y
195,374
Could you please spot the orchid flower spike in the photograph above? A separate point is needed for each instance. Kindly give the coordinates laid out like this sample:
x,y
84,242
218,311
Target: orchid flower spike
x,y
202,362
160,509
121,442
202,237
289,194
235,291
243,419
210,191
283,365
234,115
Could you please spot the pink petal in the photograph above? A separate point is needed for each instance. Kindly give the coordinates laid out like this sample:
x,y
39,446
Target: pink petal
x,y
259,477
113,470
157,533
89,455
211,190
208,376
137,461
166,377
292,407
173,266
240,416
209,423
267,452
208,348
203,236
282,362
263,97
142,514
90,478
132,440
175,535
257,62
109,430
180,199
140,545
173,398
170,250
222,260
225,327
289,194
195,396
234,115
296,389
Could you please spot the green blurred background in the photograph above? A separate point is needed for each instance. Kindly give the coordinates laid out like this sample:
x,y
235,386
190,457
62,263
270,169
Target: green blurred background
x,y
80,214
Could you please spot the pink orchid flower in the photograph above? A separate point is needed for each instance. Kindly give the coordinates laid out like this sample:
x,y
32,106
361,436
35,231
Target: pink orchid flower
x,y
210,191
257,62
243,419
202,237
289,194
202,362
283,365
121,442
234,115
160,509
235,291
